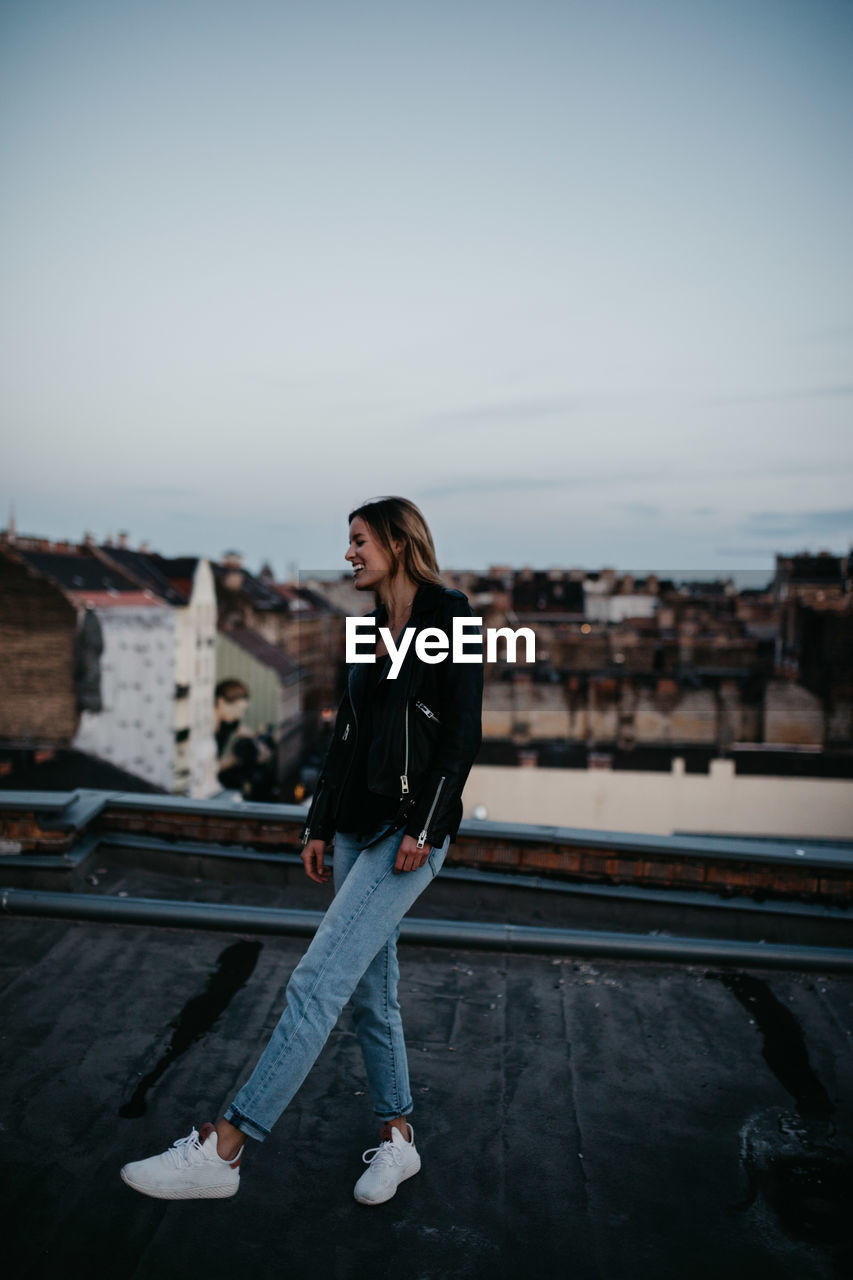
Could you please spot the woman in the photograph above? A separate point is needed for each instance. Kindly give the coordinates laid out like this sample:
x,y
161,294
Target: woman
x,y
389,796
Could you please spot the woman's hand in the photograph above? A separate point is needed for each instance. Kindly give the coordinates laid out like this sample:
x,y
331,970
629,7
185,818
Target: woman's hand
x,y
409,856
312,861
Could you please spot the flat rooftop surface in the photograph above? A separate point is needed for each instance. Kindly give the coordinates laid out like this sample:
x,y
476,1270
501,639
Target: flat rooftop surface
x,y
612,1120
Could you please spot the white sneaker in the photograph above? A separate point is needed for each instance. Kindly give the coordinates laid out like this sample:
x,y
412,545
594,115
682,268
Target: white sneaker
x,y
389,1164
190,1170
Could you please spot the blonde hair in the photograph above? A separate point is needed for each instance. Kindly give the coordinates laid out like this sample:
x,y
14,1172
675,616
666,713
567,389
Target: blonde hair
x,y
390,519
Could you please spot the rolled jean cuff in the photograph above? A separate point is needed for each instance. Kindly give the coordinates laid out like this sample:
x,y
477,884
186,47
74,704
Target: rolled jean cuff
x,y
239,1121
384,1116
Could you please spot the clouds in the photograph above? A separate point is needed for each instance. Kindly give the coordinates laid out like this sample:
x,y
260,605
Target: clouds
x,y
841,392
506,413
641,510
836,524
461,487
585,264
161,491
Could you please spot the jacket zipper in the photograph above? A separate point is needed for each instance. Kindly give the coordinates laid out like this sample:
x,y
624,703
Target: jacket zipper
x,y
422,837
404,776
430,715
307,832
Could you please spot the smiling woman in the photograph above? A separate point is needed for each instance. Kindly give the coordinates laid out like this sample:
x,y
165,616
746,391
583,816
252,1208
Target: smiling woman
x,y
389,798
390,541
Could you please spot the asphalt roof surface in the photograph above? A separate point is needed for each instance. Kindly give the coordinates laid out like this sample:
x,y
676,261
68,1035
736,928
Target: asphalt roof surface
x,y
600,1120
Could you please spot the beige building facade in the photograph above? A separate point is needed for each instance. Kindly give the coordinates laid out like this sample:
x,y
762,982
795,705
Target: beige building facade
x,y
719,802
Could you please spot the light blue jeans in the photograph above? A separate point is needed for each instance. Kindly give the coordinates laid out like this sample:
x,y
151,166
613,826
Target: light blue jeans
x,y
353,955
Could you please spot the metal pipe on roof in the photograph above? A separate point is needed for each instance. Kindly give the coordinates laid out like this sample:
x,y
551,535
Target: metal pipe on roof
x,y
485,935
819,852
645,894
504,879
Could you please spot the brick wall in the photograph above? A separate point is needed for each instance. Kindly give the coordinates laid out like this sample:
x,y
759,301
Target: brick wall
x,y
37,629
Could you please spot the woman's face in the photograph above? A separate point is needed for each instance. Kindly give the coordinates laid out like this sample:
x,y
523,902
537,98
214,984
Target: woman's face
x,y
370,562
232,711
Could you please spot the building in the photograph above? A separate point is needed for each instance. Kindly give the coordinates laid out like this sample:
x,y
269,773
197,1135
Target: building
x,y
294,618
274,682
123,655
39,627
146,627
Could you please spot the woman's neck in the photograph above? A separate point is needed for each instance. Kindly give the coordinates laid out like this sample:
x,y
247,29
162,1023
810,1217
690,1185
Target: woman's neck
x,y
398,599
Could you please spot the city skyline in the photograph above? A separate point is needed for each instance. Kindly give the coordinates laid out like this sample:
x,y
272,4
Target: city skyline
x,y
743,578
576,279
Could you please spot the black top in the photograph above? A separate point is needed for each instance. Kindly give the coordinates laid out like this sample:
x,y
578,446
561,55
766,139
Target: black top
x,y
361,810
426,725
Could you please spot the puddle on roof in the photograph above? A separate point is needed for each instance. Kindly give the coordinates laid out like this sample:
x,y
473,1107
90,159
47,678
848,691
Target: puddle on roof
x,y
233,969
784,1046
798,1177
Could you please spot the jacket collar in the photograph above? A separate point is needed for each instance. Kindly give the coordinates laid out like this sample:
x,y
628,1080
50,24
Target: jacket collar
x,y
427,597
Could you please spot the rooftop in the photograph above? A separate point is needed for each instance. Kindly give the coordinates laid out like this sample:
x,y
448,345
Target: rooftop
x,y
583,1107
78,572
262,597
61,769
144,567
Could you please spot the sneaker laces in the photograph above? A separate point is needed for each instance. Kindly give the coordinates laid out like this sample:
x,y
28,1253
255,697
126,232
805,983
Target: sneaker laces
x,y
183,1151
385,1153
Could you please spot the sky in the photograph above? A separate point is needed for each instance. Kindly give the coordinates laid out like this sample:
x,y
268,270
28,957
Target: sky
x,y
575,277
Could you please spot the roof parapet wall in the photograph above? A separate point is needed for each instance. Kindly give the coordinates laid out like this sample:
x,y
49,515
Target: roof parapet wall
x,y
61,825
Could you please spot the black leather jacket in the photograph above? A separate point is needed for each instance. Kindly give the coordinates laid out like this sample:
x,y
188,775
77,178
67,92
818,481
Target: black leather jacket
x,y
427,729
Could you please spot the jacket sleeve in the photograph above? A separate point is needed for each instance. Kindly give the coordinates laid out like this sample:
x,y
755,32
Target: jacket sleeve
x,y
435,811
319,822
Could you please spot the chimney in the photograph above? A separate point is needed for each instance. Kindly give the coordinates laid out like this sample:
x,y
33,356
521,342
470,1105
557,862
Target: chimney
x,y
233,562
122,539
